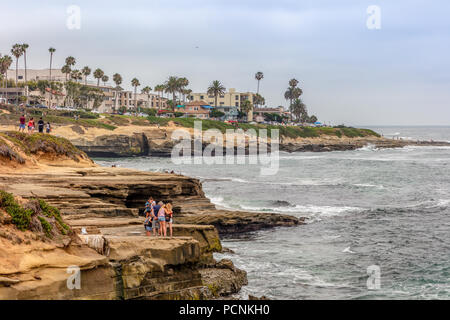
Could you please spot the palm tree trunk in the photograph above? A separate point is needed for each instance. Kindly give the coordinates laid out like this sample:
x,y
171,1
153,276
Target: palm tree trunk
x,y
6,77
26,79
215,101
51,58
17,77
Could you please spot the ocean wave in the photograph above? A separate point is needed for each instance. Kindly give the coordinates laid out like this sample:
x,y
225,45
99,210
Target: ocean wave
x,y
368,185
305,210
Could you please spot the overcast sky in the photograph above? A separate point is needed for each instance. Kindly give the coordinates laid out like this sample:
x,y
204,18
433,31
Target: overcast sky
x,y
399,74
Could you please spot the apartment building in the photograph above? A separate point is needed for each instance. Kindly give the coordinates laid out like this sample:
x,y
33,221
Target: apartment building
x,y
232,98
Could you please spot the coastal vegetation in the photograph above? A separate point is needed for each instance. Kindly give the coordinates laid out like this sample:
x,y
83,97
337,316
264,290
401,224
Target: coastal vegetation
x,y
25,216
37,143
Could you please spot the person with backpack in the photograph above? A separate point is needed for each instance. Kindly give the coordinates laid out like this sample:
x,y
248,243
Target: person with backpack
x,y
48,128
148,216
155,222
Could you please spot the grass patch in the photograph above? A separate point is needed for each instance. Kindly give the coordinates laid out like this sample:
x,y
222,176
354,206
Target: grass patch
x,y
46,226
41,142
52,212
20,217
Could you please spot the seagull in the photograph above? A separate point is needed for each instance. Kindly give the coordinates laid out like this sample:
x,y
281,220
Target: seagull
x,y
347,250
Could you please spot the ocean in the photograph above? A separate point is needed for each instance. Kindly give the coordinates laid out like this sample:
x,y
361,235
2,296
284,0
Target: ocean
x,y
377,227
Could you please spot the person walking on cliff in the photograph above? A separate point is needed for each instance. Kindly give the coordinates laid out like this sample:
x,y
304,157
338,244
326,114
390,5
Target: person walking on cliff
x,y
48,127
169,218
41,125
22,122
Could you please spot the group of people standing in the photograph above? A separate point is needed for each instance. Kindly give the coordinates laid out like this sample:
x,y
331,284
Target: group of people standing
x,y
32,126
158,217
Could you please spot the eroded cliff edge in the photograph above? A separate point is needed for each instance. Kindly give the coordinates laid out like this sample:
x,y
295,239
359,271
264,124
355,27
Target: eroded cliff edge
x,y
115,258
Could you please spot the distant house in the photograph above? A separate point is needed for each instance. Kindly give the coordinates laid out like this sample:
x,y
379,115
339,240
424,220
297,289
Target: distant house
x,y
197,109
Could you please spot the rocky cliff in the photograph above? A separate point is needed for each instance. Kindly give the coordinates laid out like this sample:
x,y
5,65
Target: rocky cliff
x,y
156,141
84,238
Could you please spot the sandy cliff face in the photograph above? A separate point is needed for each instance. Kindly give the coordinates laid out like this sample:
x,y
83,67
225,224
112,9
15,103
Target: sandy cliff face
x,y
115,259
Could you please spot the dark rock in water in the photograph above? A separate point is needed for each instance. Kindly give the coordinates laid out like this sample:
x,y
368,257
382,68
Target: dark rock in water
x,y
227,250
282,203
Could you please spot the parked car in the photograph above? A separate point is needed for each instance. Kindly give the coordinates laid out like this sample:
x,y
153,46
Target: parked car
x,y
41,106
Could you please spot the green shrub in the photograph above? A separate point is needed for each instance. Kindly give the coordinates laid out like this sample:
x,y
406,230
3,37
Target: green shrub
x,y
46,226
52,212
20,217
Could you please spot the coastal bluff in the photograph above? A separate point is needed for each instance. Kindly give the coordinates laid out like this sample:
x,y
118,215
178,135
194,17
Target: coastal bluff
x,y
105,239
151,140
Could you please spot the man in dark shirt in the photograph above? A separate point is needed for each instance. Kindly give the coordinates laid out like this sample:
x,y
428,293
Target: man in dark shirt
x,y
155,222
41,125
22,122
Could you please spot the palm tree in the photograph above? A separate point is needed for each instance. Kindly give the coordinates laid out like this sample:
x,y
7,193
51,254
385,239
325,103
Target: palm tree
x,y
17,52
98,74
160,88
259,100
259,76
5,63
135,83
105,80
293,83
247,107
147,90
187,93
76,75
86,71
292,92
298,108
24,49
183,83
172,86
70,61
117,78
216,89
51,50
66,70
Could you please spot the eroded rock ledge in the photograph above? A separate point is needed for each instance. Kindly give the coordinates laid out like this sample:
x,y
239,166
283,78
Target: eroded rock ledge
x,y
116,259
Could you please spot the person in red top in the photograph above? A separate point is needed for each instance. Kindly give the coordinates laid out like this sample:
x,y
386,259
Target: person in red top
x,y
22,122
31,125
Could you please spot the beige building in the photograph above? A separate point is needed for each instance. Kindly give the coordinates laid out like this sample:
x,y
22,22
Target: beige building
x,y
126,99
232,98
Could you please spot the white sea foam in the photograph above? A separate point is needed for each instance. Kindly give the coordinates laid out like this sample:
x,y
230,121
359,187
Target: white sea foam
x,y
368,185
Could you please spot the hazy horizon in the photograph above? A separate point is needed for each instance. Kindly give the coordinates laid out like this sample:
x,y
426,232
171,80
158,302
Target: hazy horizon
x,y
397,75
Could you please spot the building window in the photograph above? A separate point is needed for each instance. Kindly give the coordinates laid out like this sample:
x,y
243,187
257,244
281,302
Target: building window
x,y
201,97
210,96
20,77
221,103
236,97
237,104
222,96
192,98
211,102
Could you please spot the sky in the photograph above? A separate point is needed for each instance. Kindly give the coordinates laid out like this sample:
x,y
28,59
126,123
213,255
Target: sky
x,y
398,74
